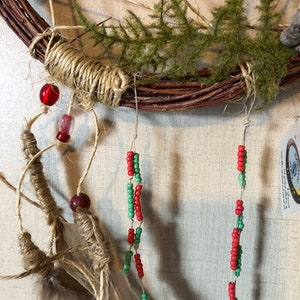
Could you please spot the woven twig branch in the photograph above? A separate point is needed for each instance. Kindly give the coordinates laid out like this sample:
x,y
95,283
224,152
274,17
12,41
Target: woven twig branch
x,y
164,95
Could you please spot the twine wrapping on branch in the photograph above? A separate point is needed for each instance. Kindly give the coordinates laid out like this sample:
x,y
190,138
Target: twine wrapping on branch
x,y
91,80
87,76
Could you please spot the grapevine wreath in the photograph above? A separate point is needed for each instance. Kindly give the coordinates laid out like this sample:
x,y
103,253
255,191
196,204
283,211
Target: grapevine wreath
x,y
165,90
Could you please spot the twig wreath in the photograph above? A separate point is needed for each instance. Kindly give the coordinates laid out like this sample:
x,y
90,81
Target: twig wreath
x,y
170,53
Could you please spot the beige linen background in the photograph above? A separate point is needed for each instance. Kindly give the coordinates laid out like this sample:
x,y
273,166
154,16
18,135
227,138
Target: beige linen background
x,y
188,165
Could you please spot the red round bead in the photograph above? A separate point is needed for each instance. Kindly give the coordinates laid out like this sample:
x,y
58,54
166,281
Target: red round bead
x,y
137,193
130,169
240,207
49,94
82,200
238,212
241,164
239,202
240,168
241,148
139,187
241,154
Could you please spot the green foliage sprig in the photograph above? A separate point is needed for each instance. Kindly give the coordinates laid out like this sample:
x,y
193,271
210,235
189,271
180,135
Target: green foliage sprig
x,y
174,46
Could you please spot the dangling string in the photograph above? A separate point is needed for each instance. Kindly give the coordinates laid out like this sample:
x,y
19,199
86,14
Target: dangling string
x,y
11,187
96,142
236,248
135,136
134,192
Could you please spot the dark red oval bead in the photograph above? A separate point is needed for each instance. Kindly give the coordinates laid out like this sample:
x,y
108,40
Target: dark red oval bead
x,y
49,94
82,200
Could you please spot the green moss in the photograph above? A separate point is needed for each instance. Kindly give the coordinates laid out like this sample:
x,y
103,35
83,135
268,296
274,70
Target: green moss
x,y
173,46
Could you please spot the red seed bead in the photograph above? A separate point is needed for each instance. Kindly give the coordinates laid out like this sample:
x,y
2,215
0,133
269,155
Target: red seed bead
x,y
241,169
238,212
49,94
241,148
138,187
240,207
82,201
130,154
241,154
239,202
241,164
66,124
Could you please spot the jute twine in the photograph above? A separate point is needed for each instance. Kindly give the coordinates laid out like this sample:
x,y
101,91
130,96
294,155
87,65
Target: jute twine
x,y
87,76
98,247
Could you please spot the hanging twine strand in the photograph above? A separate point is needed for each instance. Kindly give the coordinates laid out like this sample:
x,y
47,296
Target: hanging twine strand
x,y
89,164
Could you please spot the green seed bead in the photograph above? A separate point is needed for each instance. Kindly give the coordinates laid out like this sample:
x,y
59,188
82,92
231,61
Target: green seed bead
x,y
237,272
129,253
130,215
139,230
144,296
129,185
138,179
136,156
240,226
137,241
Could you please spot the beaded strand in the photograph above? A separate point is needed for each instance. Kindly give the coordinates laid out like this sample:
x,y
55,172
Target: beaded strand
x,y
134,211
236,248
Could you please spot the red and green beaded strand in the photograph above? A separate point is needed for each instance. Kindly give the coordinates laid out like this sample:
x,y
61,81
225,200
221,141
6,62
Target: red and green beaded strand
x,y
134,211
236,248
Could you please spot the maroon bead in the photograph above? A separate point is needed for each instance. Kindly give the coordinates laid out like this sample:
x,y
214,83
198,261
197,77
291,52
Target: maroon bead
x,y
64,138
49,94
82,200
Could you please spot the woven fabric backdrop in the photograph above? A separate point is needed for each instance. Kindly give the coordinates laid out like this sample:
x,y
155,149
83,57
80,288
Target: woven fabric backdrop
x,y
188,165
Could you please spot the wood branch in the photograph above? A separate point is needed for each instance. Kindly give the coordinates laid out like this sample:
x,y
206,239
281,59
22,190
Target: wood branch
x,y
163,95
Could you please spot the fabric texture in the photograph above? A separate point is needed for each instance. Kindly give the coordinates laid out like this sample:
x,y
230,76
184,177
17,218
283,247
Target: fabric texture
x,y
188,165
